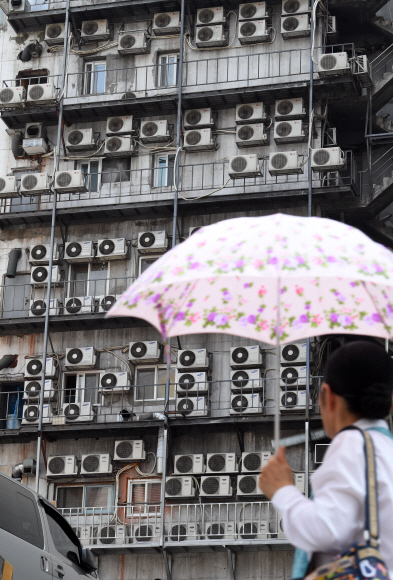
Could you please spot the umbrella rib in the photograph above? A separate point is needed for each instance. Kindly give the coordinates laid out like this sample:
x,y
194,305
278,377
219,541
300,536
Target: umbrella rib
x,y
376,307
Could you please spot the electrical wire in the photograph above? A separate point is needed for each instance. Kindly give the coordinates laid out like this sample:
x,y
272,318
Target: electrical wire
x,y
206,194
152,469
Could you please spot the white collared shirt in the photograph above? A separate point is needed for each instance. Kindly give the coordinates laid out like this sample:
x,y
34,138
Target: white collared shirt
x,y
335,518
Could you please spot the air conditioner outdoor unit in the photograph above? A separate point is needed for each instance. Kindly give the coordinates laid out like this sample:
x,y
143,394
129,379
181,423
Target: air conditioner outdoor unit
x,y
295,26
199,140
327,159
289,132
32,390
246,404
133,43
210,36
40,275
79,358
166,23
31,413
34,368
70,181
253,31
197,359
42,94
243,166
219,485
119,125
333,63
253,462
187,464
182,532
55,33
8,186
35,131
146,532
11,97
78,412
112,535
17,5
210,16
293,377
248,485
40,254
132,450
95,30
35,146
253,10
156,242
192,382
38,307
295,6
221,463
253,530
96,463
198,118
192,406
154,131
293,401
105,303
114,383
78,305
246,381
284,163
250,113
247,356
81,140
320,450
179,487
35,184
290,109
299,481
145,351
85,534
251,135
62,465
79,251
119,146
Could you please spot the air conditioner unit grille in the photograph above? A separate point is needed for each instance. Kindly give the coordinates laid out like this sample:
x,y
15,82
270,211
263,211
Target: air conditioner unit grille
x,y
138,350
321,157
178,533
215,532
247,484
124,449
205,34
73,305
328,62
239,403
206,15
36,93
107,535
56,465
252,462
2,184
186,406
6,95
75,137
72,412
38,252
34,367
29,182
113,144
53,31
240,355
149,129
193,138
173,486
107,302
116,123
248,11
126,41
74,249
63,179
147,240
245,133
193,117
31,413
33,389
290,24
40,274
248,531
90,28
245,112
143,533
216,463
284,129
33,130
91,463
184,464
187,358
290,376
38,307
238,164
289,399
248,29
211,485
279,161
74,356
187,382
162,20
240,379
291,6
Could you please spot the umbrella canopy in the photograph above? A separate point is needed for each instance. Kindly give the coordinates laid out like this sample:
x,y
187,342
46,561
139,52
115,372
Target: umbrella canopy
x,y
274,279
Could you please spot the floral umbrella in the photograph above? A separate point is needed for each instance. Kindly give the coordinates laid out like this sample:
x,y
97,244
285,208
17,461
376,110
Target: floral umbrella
x,y
274,279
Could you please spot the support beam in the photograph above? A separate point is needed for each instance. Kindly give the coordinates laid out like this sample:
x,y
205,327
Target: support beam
x,y
231,564
168,564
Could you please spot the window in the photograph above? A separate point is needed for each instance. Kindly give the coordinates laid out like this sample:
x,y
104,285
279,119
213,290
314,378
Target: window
x,y
92,171
145,262
82,499
89,279
95,78
11,405
151,381
144,496
64,539
164,165
80,387
168,70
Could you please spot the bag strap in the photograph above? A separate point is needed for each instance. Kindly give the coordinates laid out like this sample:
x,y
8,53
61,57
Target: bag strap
x,y
372,526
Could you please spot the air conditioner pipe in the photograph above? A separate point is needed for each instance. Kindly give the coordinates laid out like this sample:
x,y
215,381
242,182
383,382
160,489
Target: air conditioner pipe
x,y
160,448
17,471
13,258
32,50
16,145
6,361
292,440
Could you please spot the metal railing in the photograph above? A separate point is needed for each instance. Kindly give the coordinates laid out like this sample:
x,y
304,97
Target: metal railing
x,y
382,63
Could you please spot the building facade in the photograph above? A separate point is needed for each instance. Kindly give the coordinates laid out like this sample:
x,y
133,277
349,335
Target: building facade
x,y
113,113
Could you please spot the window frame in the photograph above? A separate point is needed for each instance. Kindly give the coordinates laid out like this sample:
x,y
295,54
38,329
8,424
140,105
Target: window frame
x,y
89,77
80,386
144,508
78,165
84,510
147,257
159,171
156,368
89,282
167,55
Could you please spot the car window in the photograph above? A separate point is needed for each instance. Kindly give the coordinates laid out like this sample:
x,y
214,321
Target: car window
x,y
64,539
19,513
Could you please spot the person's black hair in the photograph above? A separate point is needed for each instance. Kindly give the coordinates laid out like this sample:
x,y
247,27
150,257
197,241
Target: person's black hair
x,y
362,373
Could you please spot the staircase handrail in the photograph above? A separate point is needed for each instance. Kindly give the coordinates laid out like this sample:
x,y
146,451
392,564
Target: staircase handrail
x,y
379,62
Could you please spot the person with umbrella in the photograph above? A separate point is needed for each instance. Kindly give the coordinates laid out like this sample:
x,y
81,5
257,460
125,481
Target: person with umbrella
x,y
356,391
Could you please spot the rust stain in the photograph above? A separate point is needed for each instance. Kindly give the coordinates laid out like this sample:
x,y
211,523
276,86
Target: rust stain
x,y
122,566
31,344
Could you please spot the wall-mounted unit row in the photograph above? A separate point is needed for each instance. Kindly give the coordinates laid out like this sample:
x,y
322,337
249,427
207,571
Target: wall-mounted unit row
x,y
246,404
78,305
119,146
198,118
253,462
293,377
119,125
328,159
34,368
130,450
133,43
253,11
295,26
253,31
192,406
246,381
70,181
42,95
285,163
247,356
332,64
197,359
31,414
153,242
221,463
96,463
193,383
211,36
35,183
112,249
145,352
295,6
251,135
166,23
78,412
11,97
95,30
243,166
112,383
32,390
35,146
81,140
105,303
8,186
79,251
215,485
62,465
38,307
199,140
40,275
179,487
253,530
154,131
81,358
248,485
187,464
40,254
55,33
289,132
250,113
214,15
286,109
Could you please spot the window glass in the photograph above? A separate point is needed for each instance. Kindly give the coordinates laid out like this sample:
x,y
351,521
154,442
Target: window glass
x,y
98,495
145,382
70,388
78,285
62,537
138,493
144,263
153,493
165,164
168,70
90,171
161,381
90,395
2,18
99,78
98,278
69,497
